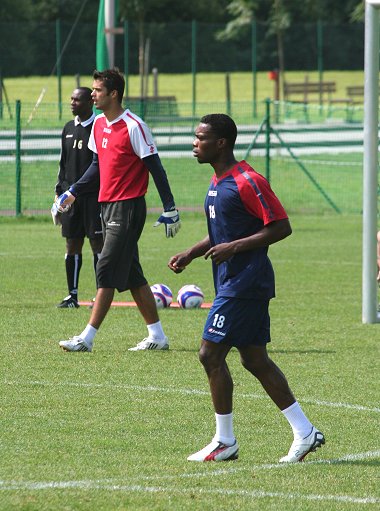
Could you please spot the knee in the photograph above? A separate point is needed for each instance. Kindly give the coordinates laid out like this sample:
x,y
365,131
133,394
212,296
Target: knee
x,y
256,366
209,359
203,356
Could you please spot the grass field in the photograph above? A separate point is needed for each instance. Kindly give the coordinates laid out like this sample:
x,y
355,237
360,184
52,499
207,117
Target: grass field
x,y
210,96
340,177
111,430
210,86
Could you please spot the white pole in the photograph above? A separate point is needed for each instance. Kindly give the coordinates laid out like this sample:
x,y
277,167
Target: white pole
x,y
109,23
370,161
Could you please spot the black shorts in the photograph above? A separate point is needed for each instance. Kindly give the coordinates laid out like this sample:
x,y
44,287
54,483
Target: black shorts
x,y
83,218
119,266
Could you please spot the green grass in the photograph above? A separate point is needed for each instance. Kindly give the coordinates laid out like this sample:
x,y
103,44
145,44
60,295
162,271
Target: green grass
x,y
39,98
189,180
111,430
210,86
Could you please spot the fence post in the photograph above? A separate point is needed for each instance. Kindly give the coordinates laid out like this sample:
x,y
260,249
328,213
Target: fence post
x,y
254,66
228,94
126,57
320,56
267,139
194,62
1,95
18,157
59,68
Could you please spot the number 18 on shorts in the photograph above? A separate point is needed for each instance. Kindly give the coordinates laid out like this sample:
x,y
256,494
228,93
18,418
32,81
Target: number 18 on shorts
x,y
238,322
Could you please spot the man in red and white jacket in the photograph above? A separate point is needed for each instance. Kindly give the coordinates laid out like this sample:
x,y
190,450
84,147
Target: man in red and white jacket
x,y
124,154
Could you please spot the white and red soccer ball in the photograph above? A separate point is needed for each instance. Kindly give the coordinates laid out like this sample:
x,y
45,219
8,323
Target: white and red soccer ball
x,y
163,295
190,297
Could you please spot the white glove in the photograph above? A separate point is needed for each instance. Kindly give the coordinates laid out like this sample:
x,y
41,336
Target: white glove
x,y
171,221
64,202
55,214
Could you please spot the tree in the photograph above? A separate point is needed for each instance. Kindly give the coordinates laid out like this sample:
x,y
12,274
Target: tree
x,y
15,11
281,14
142,11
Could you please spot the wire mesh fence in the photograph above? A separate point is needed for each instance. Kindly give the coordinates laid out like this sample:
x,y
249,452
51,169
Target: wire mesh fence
x,y
312,157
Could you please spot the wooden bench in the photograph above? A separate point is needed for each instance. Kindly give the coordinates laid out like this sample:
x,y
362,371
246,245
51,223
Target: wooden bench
x,y
320,91
153,107
354,92
313,92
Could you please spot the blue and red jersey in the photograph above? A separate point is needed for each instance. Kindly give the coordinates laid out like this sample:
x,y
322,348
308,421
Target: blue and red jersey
x,y
239,204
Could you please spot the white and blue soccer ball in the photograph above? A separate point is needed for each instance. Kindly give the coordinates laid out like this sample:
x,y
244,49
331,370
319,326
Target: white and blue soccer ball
x,y
163,295
190,297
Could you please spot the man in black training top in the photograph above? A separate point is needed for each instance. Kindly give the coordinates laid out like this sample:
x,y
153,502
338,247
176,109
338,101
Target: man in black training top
x,y
83,218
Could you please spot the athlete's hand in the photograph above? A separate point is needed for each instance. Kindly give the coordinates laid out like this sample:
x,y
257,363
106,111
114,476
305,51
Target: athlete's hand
x,y
171,221
55,214
220,253
178,262
64,201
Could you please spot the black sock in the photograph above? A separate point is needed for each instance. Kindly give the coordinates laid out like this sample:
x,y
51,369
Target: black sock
x,y
73,266
96,259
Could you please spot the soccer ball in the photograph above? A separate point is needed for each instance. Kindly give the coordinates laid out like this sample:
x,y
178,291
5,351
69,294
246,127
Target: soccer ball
x,y
163,295
190,297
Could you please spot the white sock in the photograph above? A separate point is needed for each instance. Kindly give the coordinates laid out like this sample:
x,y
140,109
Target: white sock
x,y
88,333
300,424
155,331
224,429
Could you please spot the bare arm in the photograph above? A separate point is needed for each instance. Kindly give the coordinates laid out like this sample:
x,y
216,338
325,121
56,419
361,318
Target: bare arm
x,y
269,234
178,262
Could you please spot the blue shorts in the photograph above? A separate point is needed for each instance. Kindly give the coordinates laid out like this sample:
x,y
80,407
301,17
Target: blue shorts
x,y
238,322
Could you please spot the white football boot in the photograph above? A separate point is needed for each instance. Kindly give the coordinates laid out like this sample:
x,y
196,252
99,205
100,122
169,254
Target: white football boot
x,y
216,451
151,344
76,343
302,446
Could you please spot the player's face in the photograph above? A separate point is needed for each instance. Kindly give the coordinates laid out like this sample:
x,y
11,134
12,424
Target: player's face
x,y
205,144
102,98
79,105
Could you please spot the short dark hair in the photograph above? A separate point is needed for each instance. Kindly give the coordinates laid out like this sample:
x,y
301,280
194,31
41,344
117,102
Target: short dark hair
x,y
85,93
223,126
112,80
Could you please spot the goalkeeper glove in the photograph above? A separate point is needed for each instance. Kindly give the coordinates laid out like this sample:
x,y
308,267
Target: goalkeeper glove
x,y
171,221
63,208
55,214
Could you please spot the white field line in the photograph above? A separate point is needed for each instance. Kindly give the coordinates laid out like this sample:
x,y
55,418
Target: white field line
x,y
115,485
169,390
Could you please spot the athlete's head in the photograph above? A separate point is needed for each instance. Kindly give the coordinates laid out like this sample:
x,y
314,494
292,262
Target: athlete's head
x,y
222,126
112,80
215,138
81,102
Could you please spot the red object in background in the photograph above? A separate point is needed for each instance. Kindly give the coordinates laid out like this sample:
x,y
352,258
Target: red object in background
x,y
273,75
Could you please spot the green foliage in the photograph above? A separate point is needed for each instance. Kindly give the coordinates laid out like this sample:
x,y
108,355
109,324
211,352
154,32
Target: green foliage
x,y
111,430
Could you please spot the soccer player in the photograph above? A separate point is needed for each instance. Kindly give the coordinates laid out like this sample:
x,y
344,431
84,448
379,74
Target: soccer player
x,y
244,217
124,154
83,219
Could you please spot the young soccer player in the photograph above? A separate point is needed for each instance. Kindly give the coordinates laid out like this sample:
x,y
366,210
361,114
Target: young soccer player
x,y
244,217
83,219
124,154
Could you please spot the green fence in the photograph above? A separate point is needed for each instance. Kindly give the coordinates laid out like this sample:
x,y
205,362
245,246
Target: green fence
x,y
312,157
178,47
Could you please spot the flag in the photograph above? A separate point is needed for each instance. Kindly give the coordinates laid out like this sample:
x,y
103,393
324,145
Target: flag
x,y
102,60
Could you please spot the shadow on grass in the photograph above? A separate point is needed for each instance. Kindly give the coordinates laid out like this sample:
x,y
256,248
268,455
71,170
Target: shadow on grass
x,y
301,352
363,463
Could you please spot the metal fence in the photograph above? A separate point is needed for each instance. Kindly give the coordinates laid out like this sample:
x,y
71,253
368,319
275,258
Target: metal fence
x,y
311,155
